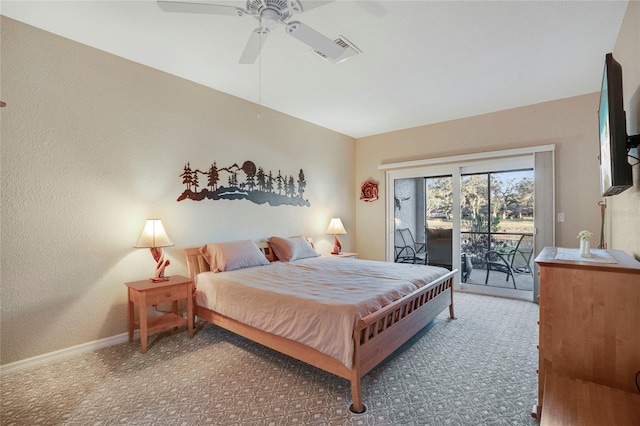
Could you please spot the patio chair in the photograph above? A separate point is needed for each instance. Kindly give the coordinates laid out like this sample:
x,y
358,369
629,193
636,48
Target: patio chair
x,y
512,263
466,266
521,262
407,250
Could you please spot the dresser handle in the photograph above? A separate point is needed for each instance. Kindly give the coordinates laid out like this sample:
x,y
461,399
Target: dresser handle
x,y
168,295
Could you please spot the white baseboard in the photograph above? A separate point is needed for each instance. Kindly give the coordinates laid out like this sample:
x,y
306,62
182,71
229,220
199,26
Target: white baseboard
x,y
64,353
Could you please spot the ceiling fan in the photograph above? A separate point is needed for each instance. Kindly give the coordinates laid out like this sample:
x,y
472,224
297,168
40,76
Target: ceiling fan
x,y
269,13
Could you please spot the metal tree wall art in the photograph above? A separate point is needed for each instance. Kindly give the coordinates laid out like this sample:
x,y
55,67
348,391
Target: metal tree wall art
x,y
243,183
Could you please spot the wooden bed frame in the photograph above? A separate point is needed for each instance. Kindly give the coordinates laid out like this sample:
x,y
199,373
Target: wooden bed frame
x,y
375,336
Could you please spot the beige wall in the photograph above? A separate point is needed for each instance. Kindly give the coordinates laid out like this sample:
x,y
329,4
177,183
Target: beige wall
x,y
571,124
624,209
92,145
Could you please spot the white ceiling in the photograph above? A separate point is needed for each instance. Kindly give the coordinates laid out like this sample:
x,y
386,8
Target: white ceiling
x,y
423,61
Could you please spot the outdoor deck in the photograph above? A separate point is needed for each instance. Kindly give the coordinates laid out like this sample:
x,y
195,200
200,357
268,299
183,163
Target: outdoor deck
x,y
497,279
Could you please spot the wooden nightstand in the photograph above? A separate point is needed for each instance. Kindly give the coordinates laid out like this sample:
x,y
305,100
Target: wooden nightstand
x,y
146,293
344,255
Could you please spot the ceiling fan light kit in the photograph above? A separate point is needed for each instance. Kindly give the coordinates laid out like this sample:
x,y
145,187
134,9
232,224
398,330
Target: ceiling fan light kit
x,y
269,18
269,13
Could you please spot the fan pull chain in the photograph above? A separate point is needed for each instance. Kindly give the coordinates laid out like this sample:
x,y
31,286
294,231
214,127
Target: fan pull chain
x,y
260,73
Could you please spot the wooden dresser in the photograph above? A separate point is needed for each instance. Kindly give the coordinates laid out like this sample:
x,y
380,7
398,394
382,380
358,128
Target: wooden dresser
x,y
569,401
589,320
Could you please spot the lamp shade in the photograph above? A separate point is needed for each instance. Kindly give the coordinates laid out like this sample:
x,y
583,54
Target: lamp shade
x,y
153,235
336,227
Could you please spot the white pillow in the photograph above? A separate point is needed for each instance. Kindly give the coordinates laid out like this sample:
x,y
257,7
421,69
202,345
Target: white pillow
x,y
233,255
288,249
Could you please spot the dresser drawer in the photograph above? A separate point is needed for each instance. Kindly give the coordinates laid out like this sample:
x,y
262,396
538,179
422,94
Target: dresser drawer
x,y
161,295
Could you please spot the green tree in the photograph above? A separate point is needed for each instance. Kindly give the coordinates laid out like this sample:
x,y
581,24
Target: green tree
x,y
524,195
439,196
474,194
497,199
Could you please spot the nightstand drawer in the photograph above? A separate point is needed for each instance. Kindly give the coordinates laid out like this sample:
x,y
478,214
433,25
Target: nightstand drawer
x,y
161,295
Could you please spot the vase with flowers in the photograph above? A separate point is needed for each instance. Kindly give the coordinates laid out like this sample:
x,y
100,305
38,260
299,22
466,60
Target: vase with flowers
x,y
585,246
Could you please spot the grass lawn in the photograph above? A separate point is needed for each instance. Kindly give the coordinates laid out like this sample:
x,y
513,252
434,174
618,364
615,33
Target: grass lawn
x,y
521,226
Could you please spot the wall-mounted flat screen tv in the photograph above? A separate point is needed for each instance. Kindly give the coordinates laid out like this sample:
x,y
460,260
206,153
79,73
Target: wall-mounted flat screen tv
x,y
615,170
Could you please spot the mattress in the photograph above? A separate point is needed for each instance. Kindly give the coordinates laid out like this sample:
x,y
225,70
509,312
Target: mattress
x,y
315,301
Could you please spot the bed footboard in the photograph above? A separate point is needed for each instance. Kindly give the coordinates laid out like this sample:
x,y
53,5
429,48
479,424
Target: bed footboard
x,y
378,335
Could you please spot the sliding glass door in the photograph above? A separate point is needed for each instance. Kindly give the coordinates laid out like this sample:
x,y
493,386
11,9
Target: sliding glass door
x,y
496,232
423,221
473,216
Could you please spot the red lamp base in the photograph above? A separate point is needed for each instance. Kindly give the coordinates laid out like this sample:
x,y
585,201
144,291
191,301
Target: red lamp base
x,y
337,247
161,264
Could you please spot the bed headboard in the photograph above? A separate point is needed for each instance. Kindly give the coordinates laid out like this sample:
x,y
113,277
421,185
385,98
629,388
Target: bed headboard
x,y
196,262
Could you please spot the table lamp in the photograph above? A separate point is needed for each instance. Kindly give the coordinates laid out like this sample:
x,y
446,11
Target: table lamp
x,y
335,228
154,237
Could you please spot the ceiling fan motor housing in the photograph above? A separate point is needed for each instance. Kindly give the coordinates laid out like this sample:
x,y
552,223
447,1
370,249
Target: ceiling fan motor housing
x,y
283,8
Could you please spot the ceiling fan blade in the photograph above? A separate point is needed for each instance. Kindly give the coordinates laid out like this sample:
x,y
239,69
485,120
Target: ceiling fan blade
x,y
299,6
254,45
212,9
319,42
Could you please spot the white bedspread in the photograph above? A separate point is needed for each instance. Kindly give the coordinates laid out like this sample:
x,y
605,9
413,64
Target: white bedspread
x,y
314,301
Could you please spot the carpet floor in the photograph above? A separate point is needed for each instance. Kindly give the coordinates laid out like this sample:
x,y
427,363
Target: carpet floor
x,y
479,369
